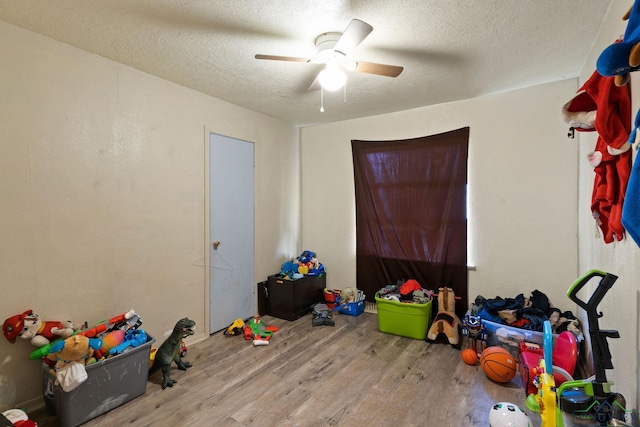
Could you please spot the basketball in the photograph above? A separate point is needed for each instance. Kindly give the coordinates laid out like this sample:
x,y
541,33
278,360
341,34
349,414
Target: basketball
x,y
469,356
498,364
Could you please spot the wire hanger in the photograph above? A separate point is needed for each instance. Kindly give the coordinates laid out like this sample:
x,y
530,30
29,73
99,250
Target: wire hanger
x,y
201,262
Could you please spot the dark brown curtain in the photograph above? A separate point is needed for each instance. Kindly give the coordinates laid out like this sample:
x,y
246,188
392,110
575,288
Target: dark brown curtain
x,y
411,212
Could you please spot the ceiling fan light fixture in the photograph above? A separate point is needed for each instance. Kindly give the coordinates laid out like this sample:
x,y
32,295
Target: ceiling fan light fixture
x,y
332,77
349,64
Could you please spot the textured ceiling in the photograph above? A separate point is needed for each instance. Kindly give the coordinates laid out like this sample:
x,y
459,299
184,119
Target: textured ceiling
x,y
450,49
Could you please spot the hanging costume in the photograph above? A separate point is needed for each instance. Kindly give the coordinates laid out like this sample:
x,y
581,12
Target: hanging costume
x,y
619,60
601,106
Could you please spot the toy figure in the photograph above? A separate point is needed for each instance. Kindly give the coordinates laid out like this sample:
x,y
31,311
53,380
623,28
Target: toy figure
x,y
473,330
132,338
169,352
29,326
446,321
235,329
256,330
544,381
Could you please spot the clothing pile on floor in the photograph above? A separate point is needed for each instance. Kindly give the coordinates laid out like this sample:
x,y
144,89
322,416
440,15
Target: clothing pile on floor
x,y
526,313
406,292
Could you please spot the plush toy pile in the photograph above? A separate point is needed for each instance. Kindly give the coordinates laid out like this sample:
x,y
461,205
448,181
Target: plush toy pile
x,y
305,265
67,349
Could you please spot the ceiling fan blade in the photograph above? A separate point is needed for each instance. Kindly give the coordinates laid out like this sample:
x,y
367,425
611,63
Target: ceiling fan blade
x,y
352,36
282,58
315,85
379,69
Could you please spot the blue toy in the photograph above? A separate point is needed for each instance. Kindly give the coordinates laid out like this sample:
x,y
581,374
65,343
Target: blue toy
x,y
305,265
132,338
623,56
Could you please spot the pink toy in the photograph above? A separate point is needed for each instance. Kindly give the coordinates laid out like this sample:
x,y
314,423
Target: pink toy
x,y
564,356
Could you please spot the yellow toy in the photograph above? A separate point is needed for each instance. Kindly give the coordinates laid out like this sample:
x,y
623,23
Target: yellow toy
x,y
70,356
545,400
236,328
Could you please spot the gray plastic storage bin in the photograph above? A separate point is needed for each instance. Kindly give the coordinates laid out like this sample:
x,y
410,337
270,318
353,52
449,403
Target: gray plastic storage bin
x,y
110,383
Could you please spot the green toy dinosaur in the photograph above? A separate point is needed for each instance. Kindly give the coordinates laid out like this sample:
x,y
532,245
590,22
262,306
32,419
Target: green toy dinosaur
x,y
169,352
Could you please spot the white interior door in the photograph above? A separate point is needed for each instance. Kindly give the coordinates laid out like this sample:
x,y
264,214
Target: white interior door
x,y
231,224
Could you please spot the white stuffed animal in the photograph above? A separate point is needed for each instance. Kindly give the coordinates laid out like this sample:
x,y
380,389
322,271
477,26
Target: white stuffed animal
x,y
43,332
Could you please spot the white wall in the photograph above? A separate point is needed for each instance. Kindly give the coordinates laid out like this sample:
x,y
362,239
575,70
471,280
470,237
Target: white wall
x,y
522,189
102,187
530,193
620,306
102,190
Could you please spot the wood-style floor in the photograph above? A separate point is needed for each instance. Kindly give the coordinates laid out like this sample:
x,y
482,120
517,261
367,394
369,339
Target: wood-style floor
x,y
349,375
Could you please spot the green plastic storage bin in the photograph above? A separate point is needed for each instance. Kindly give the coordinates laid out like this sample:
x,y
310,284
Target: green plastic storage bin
x,y
404,319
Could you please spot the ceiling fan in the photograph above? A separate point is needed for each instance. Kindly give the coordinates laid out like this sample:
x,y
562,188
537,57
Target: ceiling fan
x,y
335,50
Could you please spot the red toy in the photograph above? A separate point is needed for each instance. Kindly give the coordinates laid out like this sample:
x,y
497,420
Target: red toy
x,y
256,330
564,357
498,364
124,321
109,341
29,326
469,356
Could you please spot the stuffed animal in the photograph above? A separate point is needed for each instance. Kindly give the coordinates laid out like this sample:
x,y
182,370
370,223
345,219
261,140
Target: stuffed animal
x,y
446,321
74,348
70,356
623,56
348,295
17,418
305,264
29,326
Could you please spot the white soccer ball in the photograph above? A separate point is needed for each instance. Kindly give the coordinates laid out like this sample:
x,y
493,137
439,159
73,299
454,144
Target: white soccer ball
x,y
506,414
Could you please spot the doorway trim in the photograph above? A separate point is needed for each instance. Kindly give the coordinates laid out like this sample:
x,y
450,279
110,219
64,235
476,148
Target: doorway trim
x,y
207,248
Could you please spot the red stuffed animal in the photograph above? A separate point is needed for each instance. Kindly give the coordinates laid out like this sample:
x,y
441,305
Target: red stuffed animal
x,y
28,326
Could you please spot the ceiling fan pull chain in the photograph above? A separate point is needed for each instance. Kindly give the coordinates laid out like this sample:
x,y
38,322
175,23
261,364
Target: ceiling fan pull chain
x,y
321,99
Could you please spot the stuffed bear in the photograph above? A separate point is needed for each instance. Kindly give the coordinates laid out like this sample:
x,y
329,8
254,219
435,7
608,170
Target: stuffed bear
x,y
70,356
